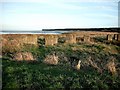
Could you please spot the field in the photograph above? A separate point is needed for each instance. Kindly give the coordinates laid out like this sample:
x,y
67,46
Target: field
x,y
38,75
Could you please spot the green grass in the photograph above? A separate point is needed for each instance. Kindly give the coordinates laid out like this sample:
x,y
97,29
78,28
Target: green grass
x,y
37,75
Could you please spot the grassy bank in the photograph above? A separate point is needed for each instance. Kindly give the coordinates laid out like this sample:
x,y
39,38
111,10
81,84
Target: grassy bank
x,y
38,75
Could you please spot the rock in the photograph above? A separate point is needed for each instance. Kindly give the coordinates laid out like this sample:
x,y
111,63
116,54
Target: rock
x,y
18,57
51,59
23,56
77,67
75,62
27,56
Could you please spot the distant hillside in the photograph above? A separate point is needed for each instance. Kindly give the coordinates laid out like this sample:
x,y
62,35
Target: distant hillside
x,y
85,29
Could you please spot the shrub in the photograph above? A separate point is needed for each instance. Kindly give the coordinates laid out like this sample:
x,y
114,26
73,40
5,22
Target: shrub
x,y
61,40
41,42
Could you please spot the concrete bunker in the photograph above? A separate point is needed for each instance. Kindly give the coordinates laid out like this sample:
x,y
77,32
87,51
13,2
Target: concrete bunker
x,y
70,38
51,40
110,37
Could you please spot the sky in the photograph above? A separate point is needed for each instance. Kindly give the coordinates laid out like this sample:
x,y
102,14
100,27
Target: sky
x,y
51,14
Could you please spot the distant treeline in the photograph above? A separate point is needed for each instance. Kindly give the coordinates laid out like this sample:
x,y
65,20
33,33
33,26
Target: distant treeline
x,y
86,29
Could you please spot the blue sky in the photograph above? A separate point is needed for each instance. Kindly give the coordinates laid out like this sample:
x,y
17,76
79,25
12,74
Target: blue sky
x,y
41,14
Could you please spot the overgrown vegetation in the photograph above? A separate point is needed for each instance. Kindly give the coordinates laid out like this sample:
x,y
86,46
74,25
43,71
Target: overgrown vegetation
x,y
61,40
37,75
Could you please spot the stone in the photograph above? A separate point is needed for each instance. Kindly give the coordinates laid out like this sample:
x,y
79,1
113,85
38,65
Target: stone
x,y
77,67
18,57
115,36
71,38
29,39
86,38
27,56
118,37
51,40
51,59
78,39
55,39
109,37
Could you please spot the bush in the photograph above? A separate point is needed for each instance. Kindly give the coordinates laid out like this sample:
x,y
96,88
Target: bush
x,y
61,40
41,42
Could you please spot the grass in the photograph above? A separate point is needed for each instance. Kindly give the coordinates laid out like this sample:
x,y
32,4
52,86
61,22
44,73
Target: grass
x,y
37,75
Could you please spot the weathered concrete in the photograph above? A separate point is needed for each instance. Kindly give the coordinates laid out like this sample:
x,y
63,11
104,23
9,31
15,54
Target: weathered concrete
x,y
29,39
48,40
55,39
51,40
115,36
71,38
109,37
78,39
86,38
118,37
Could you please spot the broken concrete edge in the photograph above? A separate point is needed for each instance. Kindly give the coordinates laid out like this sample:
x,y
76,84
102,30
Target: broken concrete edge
x,y
52,39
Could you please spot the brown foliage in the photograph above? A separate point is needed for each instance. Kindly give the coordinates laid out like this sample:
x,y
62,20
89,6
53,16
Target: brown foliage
x,y
10,46
94,65
111,66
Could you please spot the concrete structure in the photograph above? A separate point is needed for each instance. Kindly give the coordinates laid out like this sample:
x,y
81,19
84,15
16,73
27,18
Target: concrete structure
x,y
71,38
86,38
78,40
115,36
29,39
109,37
118,37
51,40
